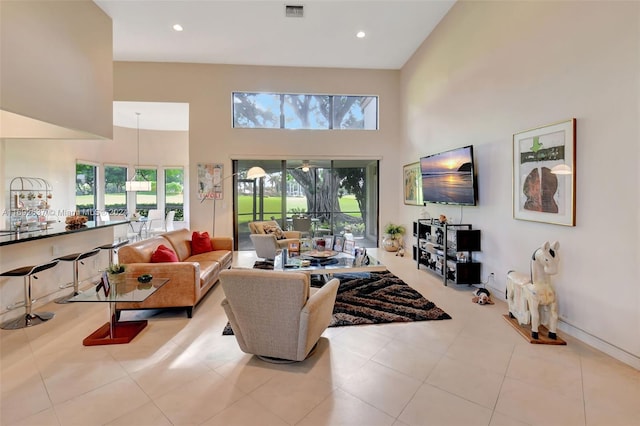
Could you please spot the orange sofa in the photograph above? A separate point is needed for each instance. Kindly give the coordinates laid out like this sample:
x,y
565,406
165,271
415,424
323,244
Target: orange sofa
x,y
189,279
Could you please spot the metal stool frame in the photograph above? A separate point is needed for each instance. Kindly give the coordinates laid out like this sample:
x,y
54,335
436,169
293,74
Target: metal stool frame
x,y
76,258
29,318
113,247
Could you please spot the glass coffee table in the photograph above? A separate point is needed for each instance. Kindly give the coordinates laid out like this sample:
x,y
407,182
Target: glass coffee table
x,y
328,263
130,290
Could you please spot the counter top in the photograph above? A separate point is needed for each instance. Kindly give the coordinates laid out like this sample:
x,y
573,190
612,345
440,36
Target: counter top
x,y
54,230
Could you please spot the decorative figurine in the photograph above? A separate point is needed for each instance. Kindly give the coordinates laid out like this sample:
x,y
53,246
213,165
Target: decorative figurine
x,y
532,299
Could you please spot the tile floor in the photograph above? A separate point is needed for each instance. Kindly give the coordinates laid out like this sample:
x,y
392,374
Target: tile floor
x,y
471,370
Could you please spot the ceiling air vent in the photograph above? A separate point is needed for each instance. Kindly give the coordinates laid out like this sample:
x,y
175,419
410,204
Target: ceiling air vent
x,y
294,11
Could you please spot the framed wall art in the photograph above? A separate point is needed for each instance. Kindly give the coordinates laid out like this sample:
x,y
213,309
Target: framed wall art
x,y
412,184
210,181
544,174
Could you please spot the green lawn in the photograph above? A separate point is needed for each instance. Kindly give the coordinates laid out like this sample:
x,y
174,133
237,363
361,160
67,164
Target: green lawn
x,y
272,205
111,199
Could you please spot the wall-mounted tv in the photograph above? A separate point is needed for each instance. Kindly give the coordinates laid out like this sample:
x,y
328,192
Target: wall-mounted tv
x,y
449,177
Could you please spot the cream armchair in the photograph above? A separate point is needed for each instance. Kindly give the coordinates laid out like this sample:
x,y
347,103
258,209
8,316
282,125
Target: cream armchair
x,y
275,315
258,228
266,245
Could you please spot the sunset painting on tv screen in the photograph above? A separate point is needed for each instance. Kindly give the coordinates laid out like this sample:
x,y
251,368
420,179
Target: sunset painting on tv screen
x,y
447,177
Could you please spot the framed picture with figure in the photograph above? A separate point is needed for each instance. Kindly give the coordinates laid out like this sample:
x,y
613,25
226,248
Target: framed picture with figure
x,y
349,247
210,181
328,241
544,178
338,244
412,184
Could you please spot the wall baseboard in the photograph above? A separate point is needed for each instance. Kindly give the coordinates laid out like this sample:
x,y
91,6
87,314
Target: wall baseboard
x,y
589,339
594,341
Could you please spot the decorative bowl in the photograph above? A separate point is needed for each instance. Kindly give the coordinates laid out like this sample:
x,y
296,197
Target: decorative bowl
x,y
145,278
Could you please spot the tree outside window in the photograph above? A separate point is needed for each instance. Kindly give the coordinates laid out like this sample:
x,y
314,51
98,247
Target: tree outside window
x,y
174,191
146,200
115,195
86,189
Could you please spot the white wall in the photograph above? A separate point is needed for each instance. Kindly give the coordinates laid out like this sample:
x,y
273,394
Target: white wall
x,y
208,89
491,69
55,161
56,66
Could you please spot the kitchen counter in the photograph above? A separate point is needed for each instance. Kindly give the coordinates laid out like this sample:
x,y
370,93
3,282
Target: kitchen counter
x,y
53,230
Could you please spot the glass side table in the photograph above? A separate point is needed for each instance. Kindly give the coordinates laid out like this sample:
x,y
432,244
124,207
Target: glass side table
x,y
130,290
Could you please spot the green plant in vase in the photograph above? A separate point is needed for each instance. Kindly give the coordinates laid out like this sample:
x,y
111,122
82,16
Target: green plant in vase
x,y
116,274
393,237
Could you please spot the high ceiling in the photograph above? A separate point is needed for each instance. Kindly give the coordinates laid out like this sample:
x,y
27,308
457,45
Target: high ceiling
x,y
258,33
246,32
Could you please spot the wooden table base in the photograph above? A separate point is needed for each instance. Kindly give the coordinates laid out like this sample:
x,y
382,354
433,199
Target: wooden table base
x,y
123,332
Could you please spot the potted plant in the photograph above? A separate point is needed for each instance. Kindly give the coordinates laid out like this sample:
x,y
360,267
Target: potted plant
x,y
116,274
393,236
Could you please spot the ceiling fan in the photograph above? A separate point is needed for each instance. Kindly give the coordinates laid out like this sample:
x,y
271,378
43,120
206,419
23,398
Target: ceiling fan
x,y
306,166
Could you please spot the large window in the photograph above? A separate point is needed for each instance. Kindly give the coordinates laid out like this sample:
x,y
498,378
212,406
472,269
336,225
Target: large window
x,y
299,111
86,195
115,195
146,200
174,191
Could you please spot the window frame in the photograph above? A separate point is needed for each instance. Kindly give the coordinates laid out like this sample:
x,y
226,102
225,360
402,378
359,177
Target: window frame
x,y
331,125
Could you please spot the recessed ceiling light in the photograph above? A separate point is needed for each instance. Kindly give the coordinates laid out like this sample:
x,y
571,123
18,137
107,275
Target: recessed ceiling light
x,y
360,34
177,27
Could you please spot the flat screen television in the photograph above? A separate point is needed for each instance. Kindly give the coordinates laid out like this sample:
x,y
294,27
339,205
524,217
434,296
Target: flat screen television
x,y
449,177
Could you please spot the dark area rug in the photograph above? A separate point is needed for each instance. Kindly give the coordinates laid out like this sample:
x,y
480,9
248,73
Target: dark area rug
x,y
376,298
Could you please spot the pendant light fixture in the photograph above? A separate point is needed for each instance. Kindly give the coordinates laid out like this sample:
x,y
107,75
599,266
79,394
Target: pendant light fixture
x,y
138,182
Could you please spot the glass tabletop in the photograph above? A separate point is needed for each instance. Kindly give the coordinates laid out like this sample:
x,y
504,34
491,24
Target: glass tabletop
x,y
341,262
130,290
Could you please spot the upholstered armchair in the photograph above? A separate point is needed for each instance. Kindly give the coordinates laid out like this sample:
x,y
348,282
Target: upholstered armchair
x,y
276,315
265,227
266,245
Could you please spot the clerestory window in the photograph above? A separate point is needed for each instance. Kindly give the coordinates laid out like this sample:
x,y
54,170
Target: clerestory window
x,y
298,111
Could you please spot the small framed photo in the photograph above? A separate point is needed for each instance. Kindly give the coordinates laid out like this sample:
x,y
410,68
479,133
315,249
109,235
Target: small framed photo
x,y
104,284
338,244
294,247
328,241
306,244
349,247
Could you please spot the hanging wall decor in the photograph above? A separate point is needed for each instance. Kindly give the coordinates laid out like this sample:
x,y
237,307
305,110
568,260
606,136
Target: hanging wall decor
x,y
412,184
544,178
210,181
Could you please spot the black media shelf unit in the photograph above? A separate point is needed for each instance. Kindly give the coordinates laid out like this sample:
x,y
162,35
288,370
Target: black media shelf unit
x,y
447,250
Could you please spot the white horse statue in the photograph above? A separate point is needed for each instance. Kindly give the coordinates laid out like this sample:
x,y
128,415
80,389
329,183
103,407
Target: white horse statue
x,y
532,298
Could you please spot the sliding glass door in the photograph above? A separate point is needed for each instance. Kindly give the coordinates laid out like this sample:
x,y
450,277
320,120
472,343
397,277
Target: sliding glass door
x,y
340,196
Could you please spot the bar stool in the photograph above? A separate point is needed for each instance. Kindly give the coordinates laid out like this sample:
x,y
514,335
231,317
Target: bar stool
x,y
76,258
29,318
113,247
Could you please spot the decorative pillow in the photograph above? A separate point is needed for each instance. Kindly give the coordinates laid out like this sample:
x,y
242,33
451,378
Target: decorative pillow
x,y
200,243
275,230
164,254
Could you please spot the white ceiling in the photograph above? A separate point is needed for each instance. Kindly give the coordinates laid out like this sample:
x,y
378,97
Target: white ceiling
x,y
258,33
153,115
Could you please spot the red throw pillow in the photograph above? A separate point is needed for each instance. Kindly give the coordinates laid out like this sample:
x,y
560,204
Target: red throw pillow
x,y
164,254
200,243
